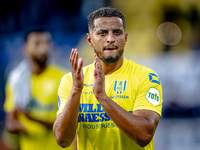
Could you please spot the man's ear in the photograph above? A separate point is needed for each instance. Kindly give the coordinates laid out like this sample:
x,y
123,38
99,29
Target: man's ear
x,y
89,39
126,36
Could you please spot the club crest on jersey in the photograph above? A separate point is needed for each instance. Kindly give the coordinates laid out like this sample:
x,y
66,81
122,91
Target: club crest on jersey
x,y
120,86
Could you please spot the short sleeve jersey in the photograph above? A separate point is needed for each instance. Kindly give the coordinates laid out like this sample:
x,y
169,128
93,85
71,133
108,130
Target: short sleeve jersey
x,y
43,106
132,86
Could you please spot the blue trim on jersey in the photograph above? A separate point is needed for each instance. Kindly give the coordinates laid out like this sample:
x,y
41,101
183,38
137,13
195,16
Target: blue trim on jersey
x,y
59,101
115,86
124,85
60,82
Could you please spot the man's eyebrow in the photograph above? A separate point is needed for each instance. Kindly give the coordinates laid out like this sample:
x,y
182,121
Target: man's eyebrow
x,y
117,29
102,30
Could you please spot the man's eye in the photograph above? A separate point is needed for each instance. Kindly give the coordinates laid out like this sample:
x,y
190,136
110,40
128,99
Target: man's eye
x,y
117,32
102,33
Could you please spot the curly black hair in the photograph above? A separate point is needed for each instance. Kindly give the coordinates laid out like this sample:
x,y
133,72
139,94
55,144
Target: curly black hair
x,y
104,12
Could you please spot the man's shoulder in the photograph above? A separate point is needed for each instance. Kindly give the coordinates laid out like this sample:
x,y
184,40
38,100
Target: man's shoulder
x,y
58,69
139,67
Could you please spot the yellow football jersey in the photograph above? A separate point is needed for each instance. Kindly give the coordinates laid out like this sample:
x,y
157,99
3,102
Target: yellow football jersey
x,y
43,106
132,86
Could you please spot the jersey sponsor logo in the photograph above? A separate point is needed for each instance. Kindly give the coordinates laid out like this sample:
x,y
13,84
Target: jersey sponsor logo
x,y
88,85
83,92
35,104
154,78
153,96
120,86
89,113
92,113
120,97
94,117
99,126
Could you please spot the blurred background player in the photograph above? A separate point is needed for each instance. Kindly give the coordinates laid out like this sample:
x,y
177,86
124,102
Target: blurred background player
x,y
31,96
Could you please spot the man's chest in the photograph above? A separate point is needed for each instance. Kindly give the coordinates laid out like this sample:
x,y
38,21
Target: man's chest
x,y
120,89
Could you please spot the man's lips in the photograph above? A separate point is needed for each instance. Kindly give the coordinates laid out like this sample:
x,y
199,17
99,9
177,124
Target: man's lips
x,y
110,48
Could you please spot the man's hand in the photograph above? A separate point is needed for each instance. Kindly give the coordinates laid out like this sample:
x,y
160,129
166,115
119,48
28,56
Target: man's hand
x,y
66,123
76,69
99,79
13,125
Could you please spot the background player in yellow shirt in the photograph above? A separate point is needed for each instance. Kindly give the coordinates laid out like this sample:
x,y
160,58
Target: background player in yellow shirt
x,y
114,103
31,95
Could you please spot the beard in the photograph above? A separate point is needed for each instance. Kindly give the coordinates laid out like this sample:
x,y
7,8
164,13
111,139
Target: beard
x,y
110,59
42,62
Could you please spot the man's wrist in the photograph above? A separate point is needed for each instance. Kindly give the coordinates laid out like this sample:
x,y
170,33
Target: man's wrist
x,y
101,96
77,89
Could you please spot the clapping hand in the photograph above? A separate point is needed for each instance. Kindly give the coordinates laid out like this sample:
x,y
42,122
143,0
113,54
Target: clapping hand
x,y
99,79
76,69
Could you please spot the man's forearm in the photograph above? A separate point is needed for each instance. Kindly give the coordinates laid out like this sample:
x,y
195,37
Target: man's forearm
x,y
66,123
13,125
47,124
139,127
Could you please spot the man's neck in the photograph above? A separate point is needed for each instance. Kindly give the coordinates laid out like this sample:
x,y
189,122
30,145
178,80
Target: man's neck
x,y
111,67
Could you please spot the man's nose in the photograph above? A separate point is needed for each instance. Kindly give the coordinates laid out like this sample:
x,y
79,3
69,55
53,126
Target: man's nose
x,y
110,38
44,48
